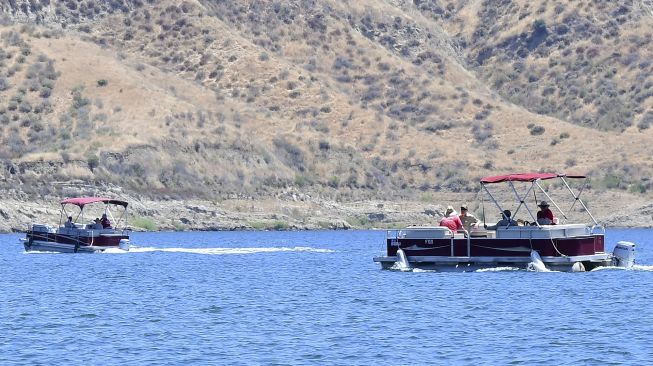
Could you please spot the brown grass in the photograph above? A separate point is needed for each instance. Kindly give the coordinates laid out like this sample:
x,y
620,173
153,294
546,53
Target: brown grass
x,y
348,101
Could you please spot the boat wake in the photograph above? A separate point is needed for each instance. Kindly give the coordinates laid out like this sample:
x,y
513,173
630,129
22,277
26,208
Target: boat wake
x,y
638,267
398,267
115,251
498,269
221,251
635,267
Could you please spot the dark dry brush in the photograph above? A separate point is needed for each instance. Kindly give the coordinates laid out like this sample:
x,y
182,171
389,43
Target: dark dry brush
x,y
327,69
589,64
26,82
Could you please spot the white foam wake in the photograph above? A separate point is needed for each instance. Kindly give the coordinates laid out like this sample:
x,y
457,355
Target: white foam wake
x,y
635,267
224,251
114,251
498,269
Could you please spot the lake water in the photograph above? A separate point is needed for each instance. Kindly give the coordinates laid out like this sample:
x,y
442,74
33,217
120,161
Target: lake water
x,y
295,298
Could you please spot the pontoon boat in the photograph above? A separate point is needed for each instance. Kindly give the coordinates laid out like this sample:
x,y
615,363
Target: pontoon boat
x,y
75,236
562,247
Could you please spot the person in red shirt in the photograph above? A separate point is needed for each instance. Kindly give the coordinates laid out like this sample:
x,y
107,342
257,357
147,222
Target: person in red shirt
x,y
106,224
451,220
545,215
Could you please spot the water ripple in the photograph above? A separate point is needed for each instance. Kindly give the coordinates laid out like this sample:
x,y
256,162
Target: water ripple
x,y
223,251
297,298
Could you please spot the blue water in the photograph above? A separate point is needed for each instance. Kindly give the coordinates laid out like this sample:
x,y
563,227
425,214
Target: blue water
x,y
296,298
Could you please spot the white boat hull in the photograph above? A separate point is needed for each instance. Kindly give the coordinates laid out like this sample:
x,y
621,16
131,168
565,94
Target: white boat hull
x,y
48,246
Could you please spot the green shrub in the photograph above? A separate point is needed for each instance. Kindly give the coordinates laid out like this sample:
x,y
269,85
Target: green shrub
x,y
280,225
334,181
257,225
637,188
143,223
611,181
324,224
178,225
301,180
102,83
426,197
359,222
274,225
93,161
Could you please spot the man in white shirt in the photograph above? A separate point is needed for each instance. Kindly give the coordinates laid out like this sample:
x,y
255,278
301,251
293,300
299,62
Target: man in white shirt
x,y
469,220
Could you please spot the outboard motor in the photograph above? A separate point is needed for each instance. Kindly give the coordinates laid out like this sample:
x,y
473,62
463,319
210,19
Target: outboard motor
x,y
623,254
124,244
402,261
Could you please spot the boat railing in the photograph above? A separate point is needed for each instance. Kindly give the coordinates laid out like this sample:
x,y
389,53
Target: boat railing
x,y
467,238
469,243
597,229
427,233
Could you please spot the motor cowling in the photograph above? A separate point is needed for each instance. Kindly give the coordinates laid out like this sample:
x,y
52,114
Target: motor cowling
x,y
623,254
124,244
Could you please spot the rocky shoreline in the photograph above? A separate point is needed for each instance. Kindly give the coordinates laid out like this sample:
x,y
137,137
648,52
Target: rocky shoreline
x,y
286,213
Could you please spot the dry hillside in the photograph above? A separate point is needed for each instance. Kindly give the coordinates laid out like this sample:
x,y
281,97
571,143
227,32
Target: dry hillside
x,y
351,100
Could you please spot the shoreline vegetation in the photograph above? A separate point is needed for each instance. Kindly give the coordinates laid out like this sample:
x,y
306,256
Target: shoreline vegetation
x,y
295,214
268,115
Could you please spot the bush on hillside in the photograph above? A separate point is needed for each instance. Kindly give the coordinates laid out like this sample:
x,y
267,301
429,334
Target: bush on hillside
x,y
645,121
482,132
93,161
4,83
537,130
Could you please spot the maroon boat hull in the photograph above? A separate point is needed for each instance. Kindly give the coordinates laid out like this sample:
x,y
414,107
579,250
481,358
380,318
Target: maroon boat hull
x,y
112,240
490,247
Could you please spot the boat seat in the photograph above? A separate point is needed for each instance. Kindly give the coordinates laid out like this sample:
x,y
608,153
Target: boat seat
x,y
425,232
478,233
543,232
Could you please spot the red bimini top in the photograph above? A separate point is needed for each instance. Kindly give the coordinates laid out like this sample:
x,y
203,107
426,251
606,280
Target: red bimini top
x,y
525,177
81,201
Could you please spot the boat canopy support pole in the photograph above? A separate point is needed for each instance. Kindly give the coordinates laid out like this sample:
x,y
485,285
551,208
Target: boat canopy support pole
x,y
521,201
108,211
577,198
492,198
550,199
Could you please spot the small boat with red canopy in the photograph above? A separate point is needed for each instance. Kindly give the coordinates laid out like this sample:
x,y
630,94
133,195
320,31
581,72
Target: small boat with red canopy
x,y
75,234
530,243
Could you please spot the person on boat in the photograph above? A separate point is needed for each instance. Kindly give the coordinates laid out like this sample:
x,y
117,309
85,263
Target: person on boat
x,y
97,225
451,220
545,215
469,221
505,221
69,224
106,224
